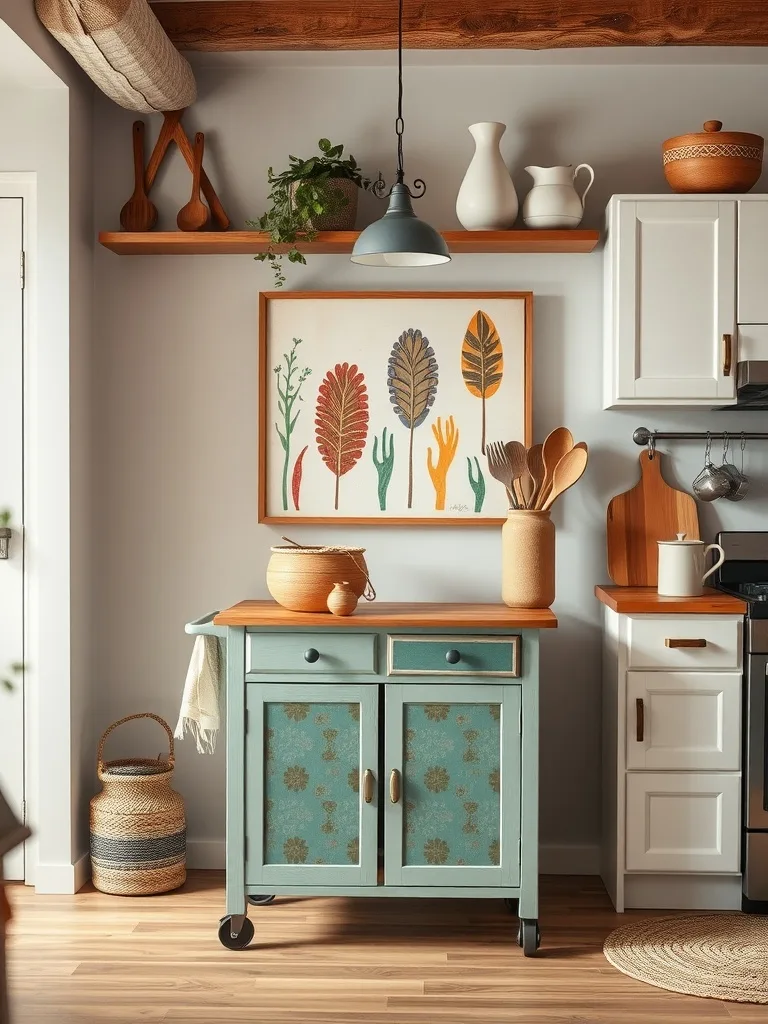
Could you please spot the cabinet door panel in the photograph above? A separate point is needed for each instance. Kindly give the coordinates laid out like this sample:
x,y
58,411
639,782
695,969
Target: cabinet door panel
x,y
686,720
307,749
457,818
683,822
753,259
674,300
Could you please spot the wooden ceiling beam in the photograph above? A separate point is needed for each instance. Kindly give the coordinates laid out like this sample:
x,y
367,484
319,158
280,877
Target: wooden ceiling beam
x,y
460,24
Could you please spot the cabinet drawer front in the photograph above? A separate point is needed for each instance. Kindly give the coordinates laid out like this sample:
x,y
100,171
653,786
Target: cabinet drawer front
x,y
684,641
313,653
683,822
684,720
453,656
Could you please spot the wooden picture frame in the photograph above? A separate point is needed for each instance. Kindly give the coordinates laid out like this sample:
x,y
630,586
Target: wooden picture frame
x,y
332,370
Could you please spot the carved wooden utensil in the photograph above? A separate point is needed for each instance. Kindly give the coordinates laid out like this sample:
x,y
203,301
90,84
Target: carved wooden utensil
x,y
195,215
139,213
554,448
568,471
516,457
535,464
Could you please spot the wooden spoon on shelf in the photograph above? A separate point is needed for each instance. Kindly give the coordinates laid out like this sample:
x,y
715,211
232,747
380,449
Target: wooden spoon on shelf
x,y
139,213
554,448
195,215
568,471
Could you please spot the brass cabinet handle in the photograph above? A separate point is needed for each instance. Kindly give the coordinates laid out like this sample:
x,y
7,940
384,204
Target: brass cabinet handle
x,y
727,354
684,641
640,706
369,780
394,786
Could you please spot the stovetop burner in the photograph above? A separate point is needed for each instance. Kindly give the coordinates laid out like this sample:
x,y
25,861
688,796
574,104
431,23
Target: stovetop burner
x,y
753,591
744,573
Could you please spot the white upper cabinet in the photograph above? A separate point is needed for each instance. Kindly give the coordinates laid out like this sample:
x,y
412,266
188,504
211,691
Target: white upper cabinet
x,y
753,262
670,301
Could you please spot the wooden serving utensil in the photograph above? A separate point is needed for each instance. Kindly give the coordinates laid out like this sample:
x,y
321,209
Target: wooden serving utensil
x,y
535,465
567,472
139,213
554,448
516,457
195,215
500,469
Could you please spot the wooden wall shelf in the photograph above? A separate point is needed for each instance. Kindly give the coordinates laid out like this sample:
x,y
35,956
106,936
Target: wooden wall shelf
x,y
208,243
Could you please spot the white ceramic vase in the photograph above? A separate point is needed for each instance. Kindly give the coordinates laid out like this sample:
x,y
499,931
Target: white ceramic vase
x,y
487,200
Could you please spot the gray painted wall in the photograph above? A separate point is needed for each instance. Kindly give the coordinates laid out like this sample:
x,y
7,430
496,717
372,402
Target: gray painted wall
x,y
175,365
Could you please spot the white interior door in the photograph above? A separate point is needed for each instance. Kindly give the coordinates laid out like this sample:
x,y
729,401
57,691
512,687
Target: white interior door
x,y
11,498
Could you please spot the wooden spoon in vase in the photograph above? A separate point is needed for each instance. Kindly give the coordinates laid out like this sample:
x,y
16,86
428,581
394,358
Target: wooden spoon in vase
x,y
568,471
139,213
195,215
554,448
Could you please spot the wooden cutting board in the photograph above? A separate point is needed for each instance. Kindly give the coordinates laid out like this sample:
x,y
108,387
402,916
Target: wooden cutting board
x,y
651,511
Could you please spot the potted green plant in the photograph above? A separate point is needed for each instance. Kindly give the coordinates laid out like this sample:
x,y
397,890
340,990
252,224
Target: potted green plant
x,y
318,194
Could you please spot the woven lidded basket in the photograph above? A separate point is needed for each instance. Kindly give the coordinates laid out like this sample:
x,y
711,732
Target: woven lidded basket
x,y
301,578
138,830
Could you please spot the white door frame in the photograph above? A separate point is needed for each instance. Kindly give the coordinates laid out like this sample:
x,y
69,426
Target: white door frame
x,y
23,185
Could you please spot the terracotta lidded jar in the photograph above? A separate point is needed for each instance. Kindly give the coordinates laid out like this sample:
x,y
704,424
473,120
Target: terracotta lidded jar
x,y
342,600
528,559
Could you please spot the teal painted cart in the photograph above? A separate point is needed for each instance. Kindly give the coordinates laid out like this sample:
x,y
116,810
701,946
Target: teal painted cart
x,y
390,753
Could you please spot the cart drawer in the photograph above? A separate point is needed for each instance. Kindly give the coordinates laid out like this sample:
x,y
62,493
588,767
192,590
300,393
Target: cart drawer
x,y
453,656
313,653
685,642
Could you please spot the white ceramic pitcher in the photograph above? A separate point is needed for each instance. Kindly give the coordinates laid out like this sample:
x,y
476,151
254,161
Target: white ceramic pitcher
x,y
553,202
681,566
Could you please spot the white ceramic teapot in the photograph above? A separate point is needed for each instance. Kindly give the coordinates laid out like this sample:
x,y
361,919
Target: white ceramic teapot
x,y
553,202
681,566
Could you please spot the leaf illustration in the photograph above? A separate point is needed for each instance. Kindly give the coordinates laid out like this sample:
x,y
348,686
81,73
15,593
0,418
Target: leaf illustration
x,y
412,383
482,361
296,476
341,420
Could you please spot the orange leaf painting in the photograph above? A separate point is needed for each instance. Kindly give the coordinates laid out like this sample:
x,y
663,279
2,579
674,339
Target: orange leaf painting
x,y
341,420
482,361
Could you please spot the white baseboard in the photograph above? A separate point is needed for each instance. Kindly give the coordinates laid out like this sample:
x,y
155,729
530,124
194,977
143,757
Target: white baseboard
x,y
55,879
82,871
554,858
682,892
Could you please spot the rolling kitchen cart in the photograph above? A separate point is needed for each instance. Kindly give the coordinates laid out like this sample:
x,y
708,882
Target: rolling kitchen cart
x,y
390,753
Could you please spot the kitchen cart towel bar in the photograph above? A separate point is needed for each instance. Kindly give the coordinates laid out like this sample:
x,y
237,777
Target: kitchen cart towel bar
x,y
644,436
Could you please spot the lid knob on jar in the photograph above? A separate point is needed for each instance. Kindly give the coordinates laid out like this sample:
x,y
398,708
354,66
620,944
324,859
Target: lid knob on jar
x,y
713,126
681,537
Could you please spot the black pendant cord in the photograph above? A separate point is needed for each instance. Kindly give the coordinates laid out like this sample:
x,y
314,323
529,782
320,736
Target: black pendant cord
x,y
419,186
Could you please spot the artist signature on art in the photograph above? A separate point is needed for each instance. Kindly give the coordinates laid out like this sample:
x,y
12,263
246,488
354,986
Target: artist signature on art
x,y
459,508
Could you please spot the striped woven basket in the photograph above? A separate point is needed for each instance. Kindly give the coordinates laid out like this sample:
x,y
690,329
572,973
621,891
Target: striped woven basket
x,y
138,831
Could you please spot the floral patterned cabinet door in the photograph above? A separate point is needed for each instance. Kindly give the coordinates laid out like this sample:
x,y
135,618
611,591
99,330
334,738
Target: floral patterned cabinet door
x,y
307,751
453,785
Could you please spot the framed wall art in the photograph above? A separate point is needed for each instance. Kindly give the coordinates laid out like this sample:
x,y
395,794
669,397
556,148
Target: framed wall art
x,y
375,407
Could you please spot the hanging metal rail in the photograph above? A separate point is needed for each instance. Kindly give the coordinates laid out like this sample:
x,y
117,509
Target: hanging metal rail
x,y
643,436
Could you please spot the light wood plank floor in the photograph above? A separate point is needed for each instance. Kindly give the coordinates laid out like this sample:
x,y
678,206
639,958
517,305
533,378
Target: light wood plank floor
x,y
94,958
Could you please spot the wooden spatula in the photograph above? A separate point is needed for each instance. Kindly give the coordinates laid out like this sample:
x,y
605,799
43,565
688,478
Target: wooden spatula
x,y
554,448
567,472
139,213
194,216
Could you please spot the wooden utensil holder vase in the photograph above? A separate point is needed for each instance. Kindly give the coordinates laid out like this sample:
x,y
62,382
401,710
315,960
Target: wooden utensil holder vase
x,y
528,559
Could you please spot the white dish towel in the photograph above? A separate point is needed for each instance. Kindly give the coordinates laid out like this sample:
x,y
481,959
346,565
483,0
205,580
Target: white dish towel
x,y
200,714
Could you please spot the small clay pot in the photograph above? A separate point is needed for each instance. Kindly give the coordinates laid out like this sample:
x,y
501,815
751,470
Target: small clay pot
x,y
713,160
342,600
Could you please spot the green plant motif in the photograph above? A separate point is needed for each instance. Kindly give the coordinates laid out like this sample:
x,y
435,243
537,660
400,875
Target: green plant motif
x,y
329,753
329,825
353,850
436,779
384,465
470,825
471,736
436,851
295,851
476,483
296,712
288,393
296,778
437,712
299,195
7,680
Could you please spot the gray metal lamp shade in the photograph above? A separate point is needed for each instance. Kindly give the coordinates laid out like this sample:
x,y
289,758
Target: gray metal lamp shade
x,y
400,239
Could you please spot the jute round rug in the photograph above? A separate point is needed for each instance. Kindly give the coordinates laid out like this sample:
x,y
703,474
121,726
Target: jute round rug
x,y
719,956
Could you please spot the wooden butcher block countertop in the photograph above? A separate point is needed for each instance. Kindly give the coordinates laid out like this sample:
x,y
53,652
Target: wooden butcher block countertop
x,y
647,601
392,615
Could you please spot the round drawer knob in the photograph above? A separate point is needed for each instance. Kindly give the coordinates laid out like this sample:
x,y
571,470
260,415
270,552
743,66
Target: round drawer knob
x,y
453,657
311,655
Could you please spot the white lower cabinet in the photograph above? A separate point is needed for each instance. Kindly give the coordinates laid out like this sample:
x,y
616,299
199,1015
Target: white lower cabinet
x,y
672,691
683,821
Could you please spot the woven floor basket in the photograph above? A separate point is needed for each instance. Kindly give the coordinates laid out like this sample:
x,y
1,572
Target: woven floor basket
x,y
138,831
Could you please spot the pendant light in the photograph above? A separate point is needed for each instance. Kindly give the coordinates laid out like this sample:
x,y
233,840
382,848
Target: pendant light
x,y
400,239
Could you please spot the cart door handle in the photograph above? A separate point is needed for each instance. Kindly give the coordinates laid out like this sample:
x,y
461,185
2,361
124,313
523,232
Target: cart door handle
x,y
369,780
684,641
394,786
640,706
311,655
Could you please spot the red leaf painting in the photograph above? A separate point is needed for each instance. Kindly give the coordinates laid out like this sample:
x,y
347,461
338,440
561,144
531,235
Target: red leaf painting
x,y
341,420
296,478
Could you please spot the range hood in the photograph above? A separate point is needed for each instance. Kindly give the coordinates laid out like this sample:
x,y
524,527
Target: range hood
x,y
751,384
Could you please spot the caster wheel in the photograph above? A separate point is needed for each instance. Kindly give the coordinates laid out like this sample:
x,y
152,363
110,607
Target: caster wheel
x,y
239,941
529,937
260,901
511,904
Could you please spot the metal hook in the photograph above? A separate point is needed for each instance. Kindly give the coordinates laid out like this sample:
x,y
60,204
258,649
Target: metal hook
x,y
743,446
708,449
726,445
651,447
